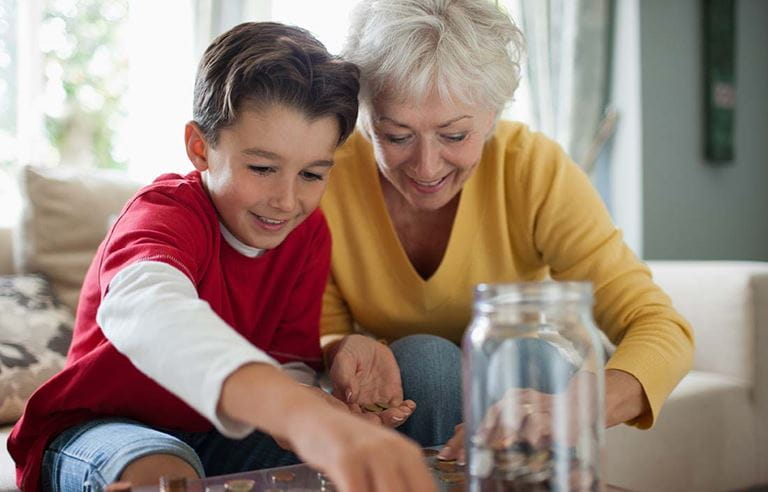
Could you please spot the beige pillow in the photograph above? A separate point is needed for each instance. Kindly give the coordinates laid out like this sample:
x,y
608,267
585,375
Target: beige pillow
x,y
35,332
66,214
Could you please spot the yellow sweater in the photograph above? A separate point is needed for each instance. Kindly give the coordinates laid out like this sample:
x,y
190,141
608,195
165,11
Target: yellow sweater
x,y
527,212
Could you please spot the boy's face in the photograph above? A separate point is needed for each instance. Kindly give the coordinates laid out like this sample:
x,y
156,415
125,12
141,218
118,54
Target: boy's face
x,y
267,172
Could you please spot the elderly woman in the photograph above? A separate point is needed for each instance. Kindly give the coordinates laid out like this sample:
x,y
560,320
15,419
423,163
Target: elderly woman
x,y
434,194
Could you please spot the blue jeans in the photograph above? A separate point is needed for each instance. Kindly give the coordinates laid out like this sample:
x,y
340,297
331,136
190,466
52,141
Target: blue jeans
x,y
91,455
430,368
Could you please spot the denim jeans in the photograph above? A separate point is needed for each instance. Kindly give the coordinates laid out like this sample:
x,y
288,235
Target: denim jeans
x,y
91,455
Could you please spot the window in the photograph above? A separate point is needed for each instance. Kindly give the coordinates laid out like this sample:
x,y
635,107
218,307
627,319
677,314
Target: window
x,y
63,76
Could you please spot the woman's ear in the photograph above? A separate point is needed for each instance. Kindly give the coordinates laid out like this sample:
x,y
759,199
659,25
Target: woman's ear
x,y
196,145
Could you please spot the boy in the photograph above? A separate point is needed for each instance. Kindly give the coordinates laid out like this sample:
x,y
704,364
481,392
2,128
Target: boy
x,y
205,285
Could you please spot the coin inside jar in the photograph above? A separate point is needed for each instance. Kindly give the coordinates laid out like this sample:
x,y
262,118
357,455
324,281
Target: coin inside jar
x,y
240,485
446,466
453,477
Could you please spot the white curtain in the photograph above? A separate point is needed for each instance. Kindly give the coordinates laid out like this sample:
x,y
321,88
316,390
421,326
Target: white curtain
x,y
213,17
568,44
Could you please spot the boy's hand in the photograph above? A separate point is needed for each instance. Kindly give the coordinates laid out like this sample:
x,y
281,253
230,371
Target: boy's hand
x,y
364,373
358,456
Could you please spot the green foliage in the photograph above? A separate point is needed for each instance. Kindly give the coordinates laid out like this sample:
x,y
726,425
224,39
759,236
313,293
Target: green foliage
x,y
86,77
7,81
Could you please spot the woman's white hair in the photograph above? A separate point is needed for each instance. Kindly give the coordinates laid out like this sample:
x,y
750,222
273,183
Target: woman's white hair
x,y
468,50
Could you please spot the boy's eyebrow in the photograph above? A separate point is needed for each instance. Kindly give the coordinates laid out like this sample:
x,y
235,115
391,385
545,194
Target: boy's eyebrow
x,y
256,152
261,153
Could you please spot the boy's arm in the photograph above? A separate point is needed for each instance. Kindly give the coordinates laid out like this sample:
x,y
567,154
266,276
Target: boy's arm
x,y
186,332
343,446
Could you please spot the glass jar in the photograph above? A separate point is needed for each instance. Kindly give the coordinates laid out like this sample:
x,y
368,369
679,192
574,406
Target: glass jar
x,y
533,388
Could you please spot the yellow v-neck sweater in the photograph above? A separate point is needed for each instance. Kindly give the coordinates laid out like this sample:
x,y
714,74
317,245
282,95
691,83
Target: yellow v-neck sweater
x,y
526,213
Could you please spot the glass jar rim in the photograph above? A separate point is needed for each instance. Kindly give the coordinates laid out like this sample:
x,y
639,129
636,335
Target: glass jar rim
x,y
525,293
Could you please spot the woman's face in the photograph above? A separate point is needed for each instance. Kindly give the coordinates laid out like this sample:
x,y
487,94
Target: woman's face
x,y
427,151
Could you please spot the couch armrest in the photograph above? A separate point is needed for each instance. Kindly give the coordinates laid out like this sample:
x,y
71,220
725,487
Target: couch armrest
x,y
719,298
760,391
6,251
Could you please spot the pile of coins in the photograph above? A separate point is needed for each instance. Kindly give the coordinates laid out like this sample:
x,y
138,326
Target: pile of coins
x,y
375,407
522,467
450,472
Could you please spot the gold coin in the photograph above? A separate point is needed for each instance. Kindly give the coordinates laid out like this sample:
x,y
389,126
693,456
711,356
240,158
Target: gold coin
x,y
372,407
430,452
383,406
173,484
446,466
240,485
283,476
453,477
118,487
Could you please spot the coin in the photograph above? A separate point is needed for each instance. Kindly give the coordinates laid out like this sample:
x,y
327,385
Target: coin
x,y
372,407
429,452
453,477
240,485
173,484
446,466
383,406
118,487
283,476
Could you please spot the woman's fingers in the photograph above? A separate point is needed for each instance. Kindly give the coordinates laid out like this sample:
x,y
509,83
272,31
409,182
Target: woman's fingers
x,y
454,448
344,379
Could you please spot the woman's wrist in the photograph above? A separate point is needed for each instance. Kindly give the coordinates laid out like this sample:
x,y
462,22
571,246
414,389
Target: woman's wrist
x,y
625,397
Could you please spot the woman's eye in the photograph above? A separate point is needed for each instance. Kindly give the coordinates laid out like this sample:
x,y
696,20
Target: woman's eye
x,y
398,139
311,176
456,137
262,169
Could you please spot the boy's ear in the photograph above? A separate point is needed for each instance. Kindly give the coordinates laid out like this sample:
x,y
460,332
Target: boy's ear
x,y
197,147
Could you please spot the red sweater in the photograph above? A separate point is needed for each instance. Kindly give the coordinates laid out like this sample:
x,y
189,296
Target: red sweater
x,y
273,300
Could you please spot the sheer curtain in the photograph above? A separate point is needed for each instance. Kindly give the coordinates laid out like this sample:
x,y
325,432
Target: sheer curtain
x,y
568,66
162,68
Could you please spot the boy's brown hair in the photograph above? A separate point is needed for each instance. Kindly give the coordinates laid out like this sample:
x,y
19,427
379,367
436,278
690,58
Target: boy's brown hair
x,y
263,63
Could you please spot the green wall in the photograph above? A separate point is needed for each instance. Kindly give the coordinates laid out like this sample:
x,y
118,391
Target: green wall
x,y
693,209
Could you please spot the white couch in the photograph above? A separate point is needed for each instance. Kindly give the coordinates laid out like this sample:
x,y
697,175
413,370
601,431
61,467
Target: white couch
x,y
712,433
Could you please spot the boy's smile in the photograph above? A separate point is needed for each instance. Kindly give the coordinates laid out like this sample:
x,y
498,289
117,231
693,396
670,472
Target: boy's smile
x,y
267,171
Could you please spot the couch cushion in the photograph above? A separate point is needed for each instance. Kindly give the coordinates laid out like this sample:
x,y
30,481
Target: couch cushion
x,y
716,297
35,332
7,468
66,214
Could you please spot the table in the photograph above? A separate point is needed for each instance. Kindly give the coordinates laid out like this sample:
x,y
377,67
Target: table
x,y
303,479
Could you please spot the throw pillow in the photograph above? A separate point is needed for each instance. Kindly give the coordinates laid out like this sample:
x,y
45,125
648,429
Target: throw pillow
x,y
35,332
66,214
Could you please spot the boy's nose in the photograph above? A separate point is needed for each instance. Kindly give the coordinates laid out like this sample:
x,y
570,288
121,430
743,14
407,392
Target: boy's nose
x,y
283,197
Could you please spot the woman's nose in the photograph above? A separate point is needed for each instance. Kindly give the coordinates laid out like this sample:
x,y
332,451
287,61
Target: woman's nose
x,y
428,162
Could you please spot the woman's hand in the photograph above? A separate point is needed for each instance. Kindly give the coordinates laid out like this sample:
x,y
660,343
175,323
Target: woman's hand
x,y
364,373
358,456
528,416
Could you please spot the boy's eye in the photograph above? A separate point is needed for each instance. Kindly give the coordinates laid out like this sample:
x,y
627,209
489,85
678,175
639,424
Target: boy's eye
x,y
456,137
398,139
308,176
262,169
